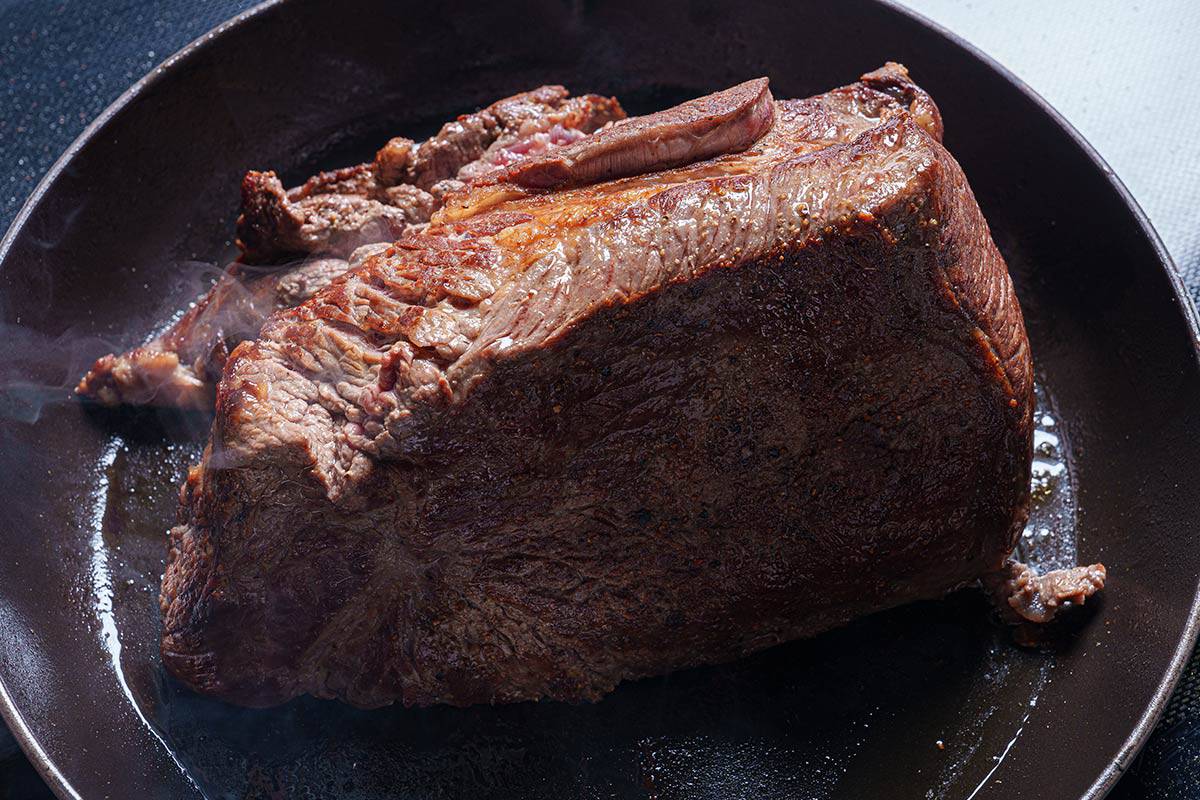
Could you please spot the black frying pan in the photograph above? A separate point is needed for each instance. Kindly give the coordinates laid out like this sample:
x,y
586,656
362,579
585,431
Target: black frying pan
x,y
928,701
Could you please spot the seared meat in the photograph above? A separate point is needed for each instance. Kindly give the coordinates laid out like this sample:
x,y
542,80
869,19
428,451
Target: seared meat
x,y
562,439
274,226
726,122
332,214
494,134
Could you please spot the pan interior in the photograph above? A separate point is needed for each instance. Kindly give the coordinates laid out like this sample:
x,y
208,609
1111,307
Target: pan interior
x,y
120,235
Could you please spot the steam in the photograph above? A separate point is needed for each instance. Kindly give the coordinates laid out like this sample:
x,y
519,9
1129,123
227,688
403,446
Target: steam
x,y
39,370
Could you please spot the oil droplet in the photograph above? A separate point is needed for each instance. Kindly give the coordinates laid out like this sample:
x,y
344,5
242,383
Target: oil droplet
x,y
1045,443
1045,478
1049,540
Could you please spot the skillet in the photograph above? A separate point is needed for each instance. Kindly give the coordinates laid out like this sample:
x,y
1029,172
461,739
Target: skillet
x,y
108,246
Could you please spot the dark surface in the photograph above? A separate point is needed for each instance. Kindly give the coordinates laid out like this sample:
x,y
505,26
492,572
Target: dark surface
x,y
1119,312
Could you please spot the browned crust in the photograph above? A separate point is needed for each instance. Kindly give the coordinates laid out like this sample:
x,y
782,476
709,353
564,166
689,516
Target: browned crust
x,y
431,647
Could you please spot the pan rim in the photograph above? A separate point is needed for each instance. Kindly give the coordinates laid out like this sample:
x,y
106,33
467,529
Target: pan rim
x,y
1133,743
1141,731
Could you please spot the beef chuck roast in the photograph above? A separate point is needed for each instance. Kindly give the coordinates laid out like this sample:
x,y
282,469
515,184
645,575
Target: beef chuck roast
x,y
294,242
568,438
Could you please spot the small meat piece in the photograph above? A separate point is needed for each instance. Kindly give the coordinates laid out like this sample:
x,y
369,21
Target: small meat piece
x,y
1022,595
724,122
593,434
393,161
273,226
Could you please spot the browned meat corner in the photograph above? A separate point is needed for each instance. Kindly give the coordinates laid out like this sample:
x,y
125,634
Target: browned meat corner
x,y
575,437
314,230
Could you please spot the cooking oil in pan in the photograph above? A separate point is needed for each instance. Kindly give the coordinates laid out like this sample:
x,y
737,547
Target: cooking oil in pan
x,y
1048,541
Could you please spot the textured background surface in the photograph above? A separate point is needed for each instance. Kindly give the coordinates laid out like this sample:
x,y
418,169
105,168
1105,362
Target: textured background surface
x,y
1108,66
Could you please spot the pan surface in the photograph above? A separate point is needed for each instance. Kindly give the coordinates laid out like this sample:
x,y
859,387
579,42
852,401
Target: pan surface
x,y
928,701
